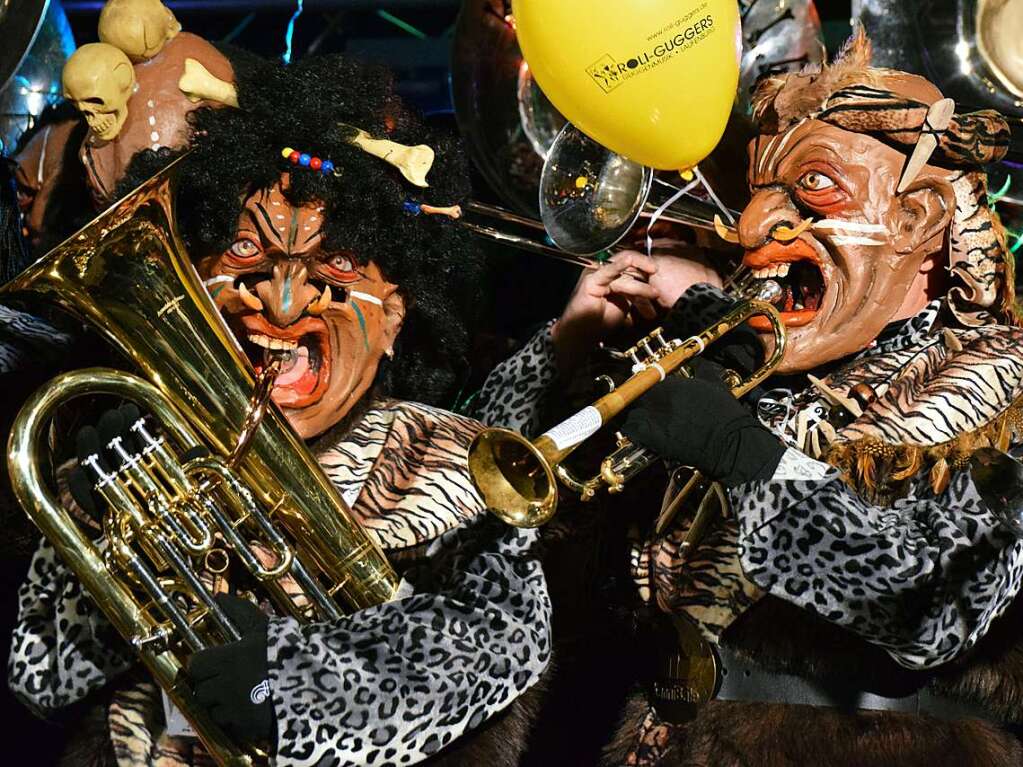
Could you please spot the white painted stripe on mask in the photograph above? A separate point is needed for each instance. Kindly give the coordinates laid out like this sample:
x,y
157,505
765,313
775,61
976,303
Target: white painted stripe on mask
x,y
837,224
764,155
768,157
366,297
219,278
840,239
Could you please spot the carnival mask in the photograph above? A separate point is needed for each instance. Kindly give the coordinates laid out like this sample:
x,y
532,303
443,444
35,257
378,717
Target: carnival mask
x,y
100,79
328,315
825,223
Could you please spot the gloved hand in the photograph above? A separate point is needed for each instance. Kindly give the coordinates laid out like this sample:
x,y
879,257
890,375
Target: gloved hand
x,y
96,457
701,307
697,422
232,680
92,441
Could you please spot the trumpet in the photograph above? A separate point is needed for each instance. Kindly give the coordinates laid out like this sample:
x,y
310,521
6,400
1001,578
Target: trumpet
x,y
519,478
249,483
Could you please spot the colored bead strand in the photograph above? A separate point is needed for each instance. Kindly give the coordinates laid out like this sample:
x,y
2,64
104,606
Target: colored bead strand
x,y
295,157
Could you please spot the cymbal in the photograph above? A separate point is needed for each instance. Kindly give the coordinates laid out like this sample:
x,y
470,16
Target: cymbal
x,y
20,21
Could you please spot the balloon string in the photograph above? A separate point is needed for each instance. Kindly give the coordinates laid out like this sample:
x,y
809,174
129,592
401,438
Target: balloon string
x,y
724,210
660,212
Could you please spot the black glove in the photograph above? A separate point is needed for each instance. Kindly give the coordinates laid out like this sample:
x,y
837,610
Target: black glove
x,y
232,680
92,441
699,308
698,423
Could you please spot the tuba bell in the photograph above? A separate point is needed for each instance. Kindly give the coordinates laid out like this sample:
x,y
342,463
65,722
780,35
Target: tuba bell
x,y
227,476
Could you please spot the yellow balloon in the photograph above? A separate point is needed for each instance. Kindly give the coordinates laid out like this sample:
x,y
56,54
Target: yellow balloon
x,y
653,80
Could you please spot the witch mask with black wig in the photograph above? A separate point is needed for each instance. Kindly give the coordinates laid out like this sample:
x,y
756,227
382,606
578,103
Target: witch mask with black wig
x,y
306,230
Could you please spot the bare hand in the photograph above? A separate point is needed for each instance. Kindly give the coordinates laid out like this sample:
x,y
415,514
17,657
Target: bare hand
x,y
603,301
632,286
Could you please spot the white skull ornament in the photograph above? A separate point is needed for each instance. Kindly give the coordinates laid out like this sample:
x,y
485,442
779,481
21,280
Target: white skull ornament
x,y
100,79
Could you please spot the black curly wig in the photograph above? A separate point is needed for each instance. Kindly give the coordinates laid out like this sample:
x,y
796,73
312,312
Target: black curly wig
x,y
313,106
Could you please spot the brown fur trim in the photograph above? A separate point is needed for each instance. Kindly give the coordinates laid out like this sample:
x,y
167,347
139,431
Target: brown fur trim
x,y
781,100
728,734
88,744
502,741
992,675
876,468
624,738
783,638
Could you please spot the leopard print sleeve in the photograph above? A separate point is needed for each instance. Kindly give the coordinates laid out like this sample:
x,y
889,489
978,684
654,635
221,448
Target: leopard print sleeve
x,y
512,395
923,578
403,680
62,647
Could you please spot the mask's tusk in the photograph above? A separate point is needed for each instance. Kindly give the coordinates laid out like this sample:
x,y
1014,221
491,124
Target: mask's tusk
x,y
414,162
248,299
786,234
198,84
726,233
319,306
939,115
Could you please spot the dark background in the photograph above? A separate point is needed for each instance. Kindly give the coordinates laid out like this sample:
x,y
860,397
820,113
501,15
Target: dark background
x,y
414,38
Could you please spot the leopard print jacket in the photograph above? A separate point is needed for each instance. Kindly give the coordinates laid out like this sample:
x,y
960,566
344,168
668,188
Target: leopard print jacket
x,y
392,684
923,577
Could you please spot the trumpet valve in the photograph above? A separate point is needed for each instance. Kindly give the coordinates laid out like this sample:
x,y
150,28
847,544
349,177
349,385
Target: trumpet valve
x,y
732,379
614,480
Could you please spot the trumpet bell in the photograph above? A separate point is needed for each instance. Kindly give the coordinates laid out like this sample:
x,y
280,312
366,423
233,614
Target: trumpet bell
x,y
590,197
514,477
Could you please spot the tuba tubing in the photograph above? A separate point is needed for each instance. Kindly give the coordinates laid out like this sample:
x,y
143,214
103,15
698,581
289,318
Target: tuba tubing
x,y
128,275
84,558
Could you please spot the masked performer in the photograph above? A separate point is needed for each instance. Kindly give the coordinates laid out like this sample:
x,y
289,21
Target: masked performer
x,y
863,565
317,249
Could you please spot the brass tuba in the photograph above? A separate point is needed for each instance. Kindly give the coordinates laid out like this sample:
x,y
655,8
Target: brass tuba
x,y
254,483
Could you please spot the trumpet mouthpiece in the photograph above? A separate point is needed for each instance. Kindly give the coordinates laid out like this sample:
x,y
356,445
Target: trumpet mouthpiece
x,y
769,291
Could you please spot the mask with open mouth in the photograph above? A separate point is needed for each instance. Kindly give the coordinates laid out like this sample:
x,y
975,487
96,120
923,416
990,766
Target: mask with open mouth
x,y
864,255
327,316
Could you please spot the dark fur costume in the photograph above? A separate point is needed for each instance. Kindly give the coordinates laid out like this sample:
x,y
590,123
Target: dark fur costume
x,y
313,106
780,637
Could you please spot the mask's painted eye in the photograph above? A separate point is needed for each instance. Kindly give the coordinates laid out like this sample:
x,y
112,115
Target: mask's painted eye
x,y
341,268
245,249
815,182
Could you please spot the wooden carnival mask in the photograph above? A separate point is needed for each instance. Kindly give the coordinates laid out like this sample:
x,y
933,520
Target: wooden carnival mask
x,y
330,316
852,216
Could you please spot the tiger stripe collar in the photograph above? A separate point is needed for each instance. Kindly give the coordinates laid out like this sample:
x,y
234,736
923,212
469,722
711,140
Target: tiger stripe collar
x,y
403,470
